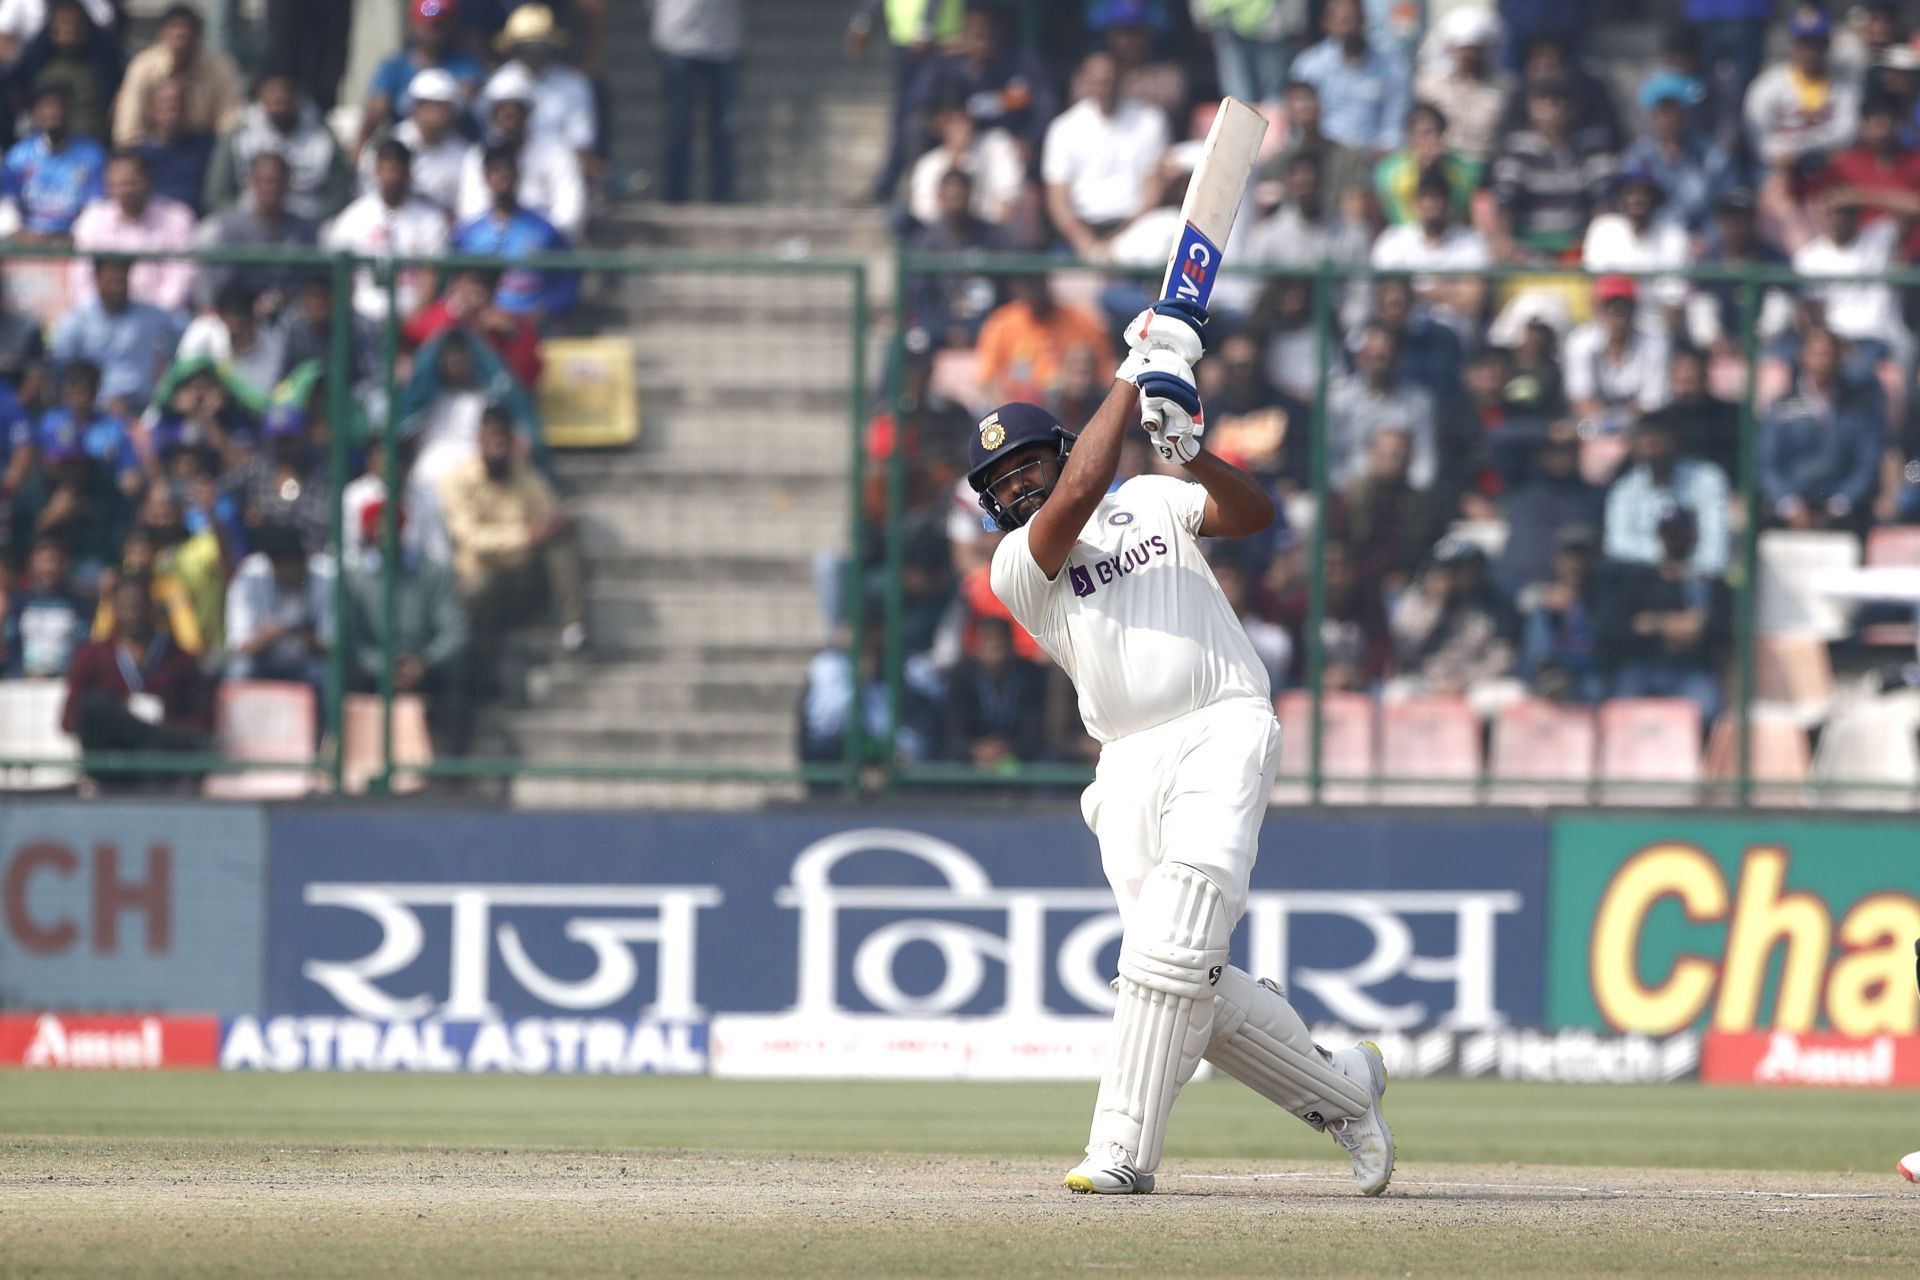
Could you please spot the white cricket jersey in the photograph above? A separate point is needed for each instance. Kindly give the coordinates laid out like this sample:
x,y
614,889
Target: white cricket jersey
x,y
1135,617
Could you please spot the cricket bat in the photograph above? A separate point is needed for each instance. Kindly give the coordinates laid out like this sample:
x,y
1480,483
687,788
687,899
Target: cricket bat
x,y
1214,195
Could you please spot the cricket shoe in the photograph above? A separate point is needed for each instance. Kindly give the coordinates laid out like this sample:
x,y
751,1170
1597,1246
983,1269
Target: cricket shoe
x,y
1365,1136
1108,1171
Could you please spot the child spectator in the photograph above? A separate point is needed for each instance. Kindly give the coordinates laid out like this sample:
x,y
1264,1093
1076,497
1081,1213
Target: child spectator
x,y
46,621
51,175
133,219
213,101
283,121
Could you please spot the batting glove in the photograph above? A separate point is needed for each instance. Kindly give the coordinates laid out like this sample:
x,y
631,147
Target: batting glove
x,y
1170,407
1170,326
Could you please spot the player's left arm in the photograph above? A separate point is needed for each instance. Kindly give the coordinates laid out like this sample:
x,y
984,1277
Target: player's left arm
x,y
1237,505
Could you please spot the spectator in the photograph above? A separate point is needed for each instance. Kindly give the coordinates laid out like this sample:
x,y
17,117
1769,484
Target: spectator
x,y
137,691
1432,241
513,545
177,159
1880,171
394,91
232,335
213,102
185,568
1820,444
563,103
1552,498
1732,36
456,376
1559,644
22,20
22,346
1537,387
1866,315
1660,479
1290,345
311,43
73,52
1547,181
423,535
1632,239
1452,630
1130,30
391,222
996,703
1305,230
1465,84
1260,429
288,485
1386,523
132,219
1424,154
102,435
261,221
1615,370
509,230
1363,92
1099,155
309,334
698,44
1355,643
280,612
1805,106
551,184
469,303
951,306
1662,623
1006,87
1430,353
131,342
1592,122
77,504
45,622
211,407
51,175
1375,398
280,120
1714,309
914,31
1691,170
1707,427
429,631
1025,343
991,161
1341,170
1251,43
430,133
838,683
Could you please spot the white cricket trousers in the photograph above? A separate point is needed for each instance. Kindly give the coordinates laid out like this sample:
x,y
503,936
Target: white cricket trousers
x,y
1193,790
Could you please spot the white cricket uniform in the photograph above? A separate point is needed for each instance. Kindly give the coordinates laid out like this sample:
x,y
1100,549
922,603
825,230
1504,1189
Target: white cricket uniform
x,y
1169,685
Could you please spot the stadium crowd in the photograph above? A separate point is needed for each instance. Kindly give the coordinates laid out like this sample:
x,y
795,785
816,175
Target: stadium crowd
x,y
1533,478
166,427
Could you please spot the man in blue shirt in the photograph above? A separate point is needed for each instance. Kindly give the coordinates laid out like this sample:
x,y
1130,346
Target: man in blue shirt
x,y
51,175
102,436
430,31
1364,94
507,230
129,341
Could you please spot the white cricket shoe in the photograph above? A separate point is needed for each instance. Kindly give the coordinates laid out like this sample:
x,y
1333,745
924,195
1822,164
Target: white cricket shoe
x,y
1365,1137
1108,1171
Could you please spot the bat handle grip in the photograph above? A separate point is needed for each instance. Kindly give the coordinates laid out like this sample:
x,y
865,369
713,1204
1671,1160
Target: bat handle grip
x,y
1153,419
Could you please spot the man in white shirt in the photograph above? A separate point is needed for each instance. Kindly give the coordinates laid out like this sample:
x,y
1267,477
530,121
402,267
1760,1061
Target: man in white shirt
x,y
1113,586
551,182
1433,242
439,149
562,96
1098,158
390,222
1633,238
1615,371
1867,315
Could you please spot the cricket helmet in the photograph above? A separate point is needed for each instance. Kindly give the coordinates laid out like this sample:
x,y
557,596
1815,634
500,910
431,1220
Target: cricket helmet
x,y
1005,431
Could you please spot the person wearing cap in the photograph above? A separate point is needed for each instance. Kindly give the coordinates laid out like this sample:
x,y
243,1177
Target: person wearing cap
x,y
552,183
261,221
1435,241
1659,479
280,611
1664,621
1616,369
1820,444
390,222
396,82
177,157
281,119
1364,93
1675,151
1634,237
698,44
563,102
1252,41
431,134
288,483
1133,32
1806,106
1465,81
213,102
131,342
49,176
1548,180
1099,154
430,634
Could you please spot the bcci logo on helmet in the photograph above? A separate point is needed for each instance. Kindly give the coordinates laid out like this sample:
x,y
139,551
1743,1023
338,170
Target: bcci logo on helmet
x,y
992,434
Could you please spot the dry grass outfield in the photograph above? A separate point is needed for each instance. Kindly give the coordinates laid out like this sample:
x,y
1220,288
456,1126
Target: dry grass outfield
x,y
306,1176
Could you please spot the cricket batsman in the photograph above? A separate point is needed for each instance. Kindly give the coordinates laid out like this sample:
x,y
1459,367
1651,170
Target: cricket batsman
x,y
1114,588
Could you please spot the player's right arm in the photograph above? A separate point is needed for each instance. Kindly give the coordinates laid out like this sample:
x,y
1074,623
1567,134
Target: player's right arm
x,y
1084,480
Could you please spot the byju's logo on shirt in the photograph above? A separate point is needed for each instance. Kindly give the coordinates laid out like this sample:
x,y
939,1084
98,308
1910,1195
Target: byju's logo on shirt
x,y
1087,579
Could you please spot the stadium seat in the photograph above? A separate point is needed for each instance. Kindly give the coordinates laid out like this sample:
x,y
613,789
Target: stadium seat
x,y
1537,742
1792,563
265,721
1867,757
1346,746
588,396
412,746
1793,675
1649,740
1893,546
1434,741
1779,757
30,730
39,288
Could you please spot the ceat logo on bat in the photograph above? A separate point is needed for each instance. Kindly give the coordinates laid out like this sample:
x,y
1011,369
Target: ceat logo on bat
x,y
1193,281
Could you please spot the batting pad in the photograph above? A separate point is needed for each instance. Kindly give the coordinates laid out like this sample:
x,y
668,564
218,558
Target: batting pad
x,y
1173,951
1260,1041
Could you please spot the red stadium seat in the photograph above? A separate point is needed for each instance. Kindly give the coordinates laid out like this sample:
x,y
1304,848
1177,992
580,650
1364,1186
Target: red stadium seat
x,y
1893,546
411,744
1346,746
1436,743
265,721
1793,674
30,730
1780,758
1649,740
1536,742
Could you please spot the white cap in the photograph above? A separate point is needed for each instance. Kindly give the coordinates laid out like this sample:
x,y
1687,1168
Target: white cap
x,y
1469,24
435,84
510,83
